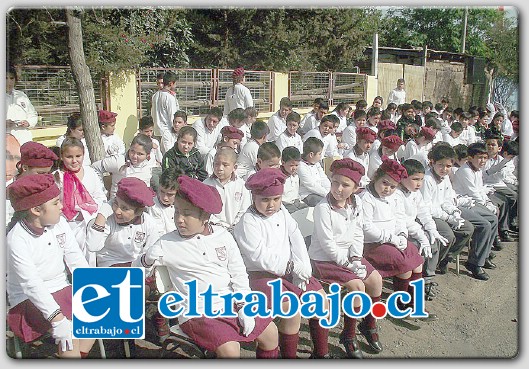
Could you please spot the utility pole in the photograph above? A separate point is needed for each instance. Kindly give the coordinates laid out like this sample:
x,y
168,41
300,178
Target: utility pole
x,y
465,29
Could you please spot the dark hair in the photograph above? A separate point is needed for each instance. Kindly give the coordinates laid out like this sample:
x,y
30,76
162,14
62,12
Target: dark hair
x,y
490,134
216,112
458,111
406,106
385,115
361,104
250,112
391,106
438,106
259,129
290,153
169,77
323,105
456,126
433,123
427,104
473,112
413,166
187,130
341,106
74,121
510,147
268,150
144,141
71,142
358,113
330,118
236,114
159,75
181,114
373,111
441,150
379,98
312,144
465,115
169,176
432,114
317,100
285,103
515,114
10,69
448,110
417,105
146,122
461,151
477,148
293,117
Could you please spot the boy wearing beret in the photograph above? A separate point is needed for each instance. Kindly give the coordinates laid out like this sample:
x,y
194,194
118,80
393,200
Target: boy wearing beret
x,y
114,145
388,147
360,152
230,137
419,143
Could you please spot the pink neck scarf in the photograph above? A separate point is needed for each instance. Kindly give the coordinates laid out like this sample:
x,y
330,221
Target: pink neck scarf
x,y
75,193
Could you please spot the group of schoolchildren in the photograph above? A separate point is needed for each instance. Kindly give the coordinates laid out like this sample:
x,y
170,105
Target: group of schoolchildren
x,y
213,204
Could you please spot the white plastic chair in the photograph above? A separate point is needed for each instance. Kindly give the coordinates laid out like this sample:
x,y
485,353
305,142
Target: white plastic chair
x,y
305,220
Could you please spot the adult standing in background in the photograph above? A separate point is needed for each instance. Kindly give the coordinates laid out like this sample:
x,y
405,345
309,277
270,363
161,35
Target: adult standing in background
x,y
398,94
237,95
164,105
20,113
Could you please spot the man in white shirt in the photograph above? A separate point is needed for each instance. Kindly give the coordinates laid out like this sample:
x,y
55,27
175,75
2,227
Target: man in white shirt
x,y
237,95
398,94
164,105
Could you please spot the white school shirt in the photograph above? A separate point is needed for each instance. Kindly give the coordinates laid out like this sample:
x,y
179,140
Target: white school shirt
x,y
247,158
290,189
438,195
382,216
412,148
492,172
375,161
86,157
36,264
315,132
285,140
163,216
237,96
235,200
312,180
156,154
247,135
308,122
509,174
169,138
343,122
418,217
19,107
349,135
206,139
116,243
469,182
212,260
447,137
362,159
338,232
332,146
269,243
119,168
468,136
397,96
163,106
276,125
208,160
9,208
113,145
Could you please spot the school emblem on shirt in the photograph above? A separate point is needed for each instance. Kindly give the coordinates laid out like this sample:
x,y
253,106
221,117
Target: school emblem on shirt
x,y
23,104
238,196
222,255
61,239
139,237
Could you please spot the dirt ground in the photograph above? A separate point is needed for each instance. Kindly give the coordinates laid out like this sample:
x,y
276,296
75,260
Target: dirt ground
x,y
477,319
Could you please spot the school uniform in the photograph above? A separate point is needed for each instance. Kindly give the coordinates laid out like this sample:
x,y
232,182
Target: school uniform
x,y
163,216
237,96
384,217
349,135
343,122
235,199
121,243
447,137
164,105
291,199
313,182
316,133
19,107
247,158
308,122
362,158
208,161
331,150
468,135
86,157
412,148
276,125
113,145
286,140
397,96
169,138
206,139
36,269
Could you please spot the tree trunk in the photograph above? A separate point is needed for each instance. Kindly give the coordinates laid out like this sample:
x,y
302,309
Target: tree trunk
x,y
85,87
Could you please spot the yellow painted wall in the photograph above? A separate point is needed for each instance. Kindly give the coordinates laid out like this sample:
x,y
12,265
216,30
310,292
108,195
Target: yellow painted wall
x,y
123,97
372,90
280,89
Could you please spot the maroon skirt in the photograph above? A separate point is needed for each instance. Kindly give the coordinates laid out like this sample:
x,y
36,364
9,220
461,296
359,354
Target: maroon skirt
x,y
210,333
28,323
331,272
390,261
258,282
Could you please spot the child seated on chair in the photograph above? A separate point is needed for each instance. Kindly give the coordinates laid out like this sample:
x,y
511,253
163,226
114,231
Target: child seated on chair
x,y
208,254
313,182
337,247
248,155
268,156
273,247
290,157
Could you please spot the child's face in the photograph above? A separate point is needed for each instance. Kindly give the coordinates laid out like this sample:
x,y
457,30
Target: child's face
x,y
159,83
108,128
411,130
223,167
462,161
212,122
426,110
234,143
137,154
292,127
374,119
314,157
236,123
50,212
166,195
124,212
377,103
149,131
188,219
447,115
185,144
72,158
442,167
326,128
498,121
410,113
364,145
414,182
10,82
385,186
455,134
492,147
291,166
343,112
270,163
387,151
284,111
400,85
479,160
35,170
178,123
77,132
361,122
464,122
342,187
320,112
267,206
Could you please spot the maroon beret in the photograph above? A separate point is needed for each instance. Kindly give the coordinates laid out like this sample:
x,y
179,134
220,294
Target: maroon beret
x,y
105,116
238,72
199,194
386,124
365,133
393,169
32,190
34,154
349,168
266,182
392,142
232,133
428,133
132,189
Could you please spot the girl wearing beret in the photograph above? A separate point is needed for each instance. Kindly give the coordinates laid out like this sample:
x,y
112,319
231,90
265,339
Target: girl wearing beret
x,y
40,245
384,128
419,143
82,191
35,158
207,254
134,164
388,147
360,152
386,245
337,247
272,247
114,145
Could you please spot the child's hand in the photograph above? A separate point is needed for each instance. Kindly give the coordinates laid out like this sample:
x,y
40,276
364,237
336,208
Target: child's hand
x,y
247,323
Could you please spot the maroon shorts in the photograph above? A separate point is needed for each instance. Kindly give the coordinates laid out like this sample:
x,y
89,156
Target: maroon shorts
x,y
28,323
210,333
390,261
331,272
